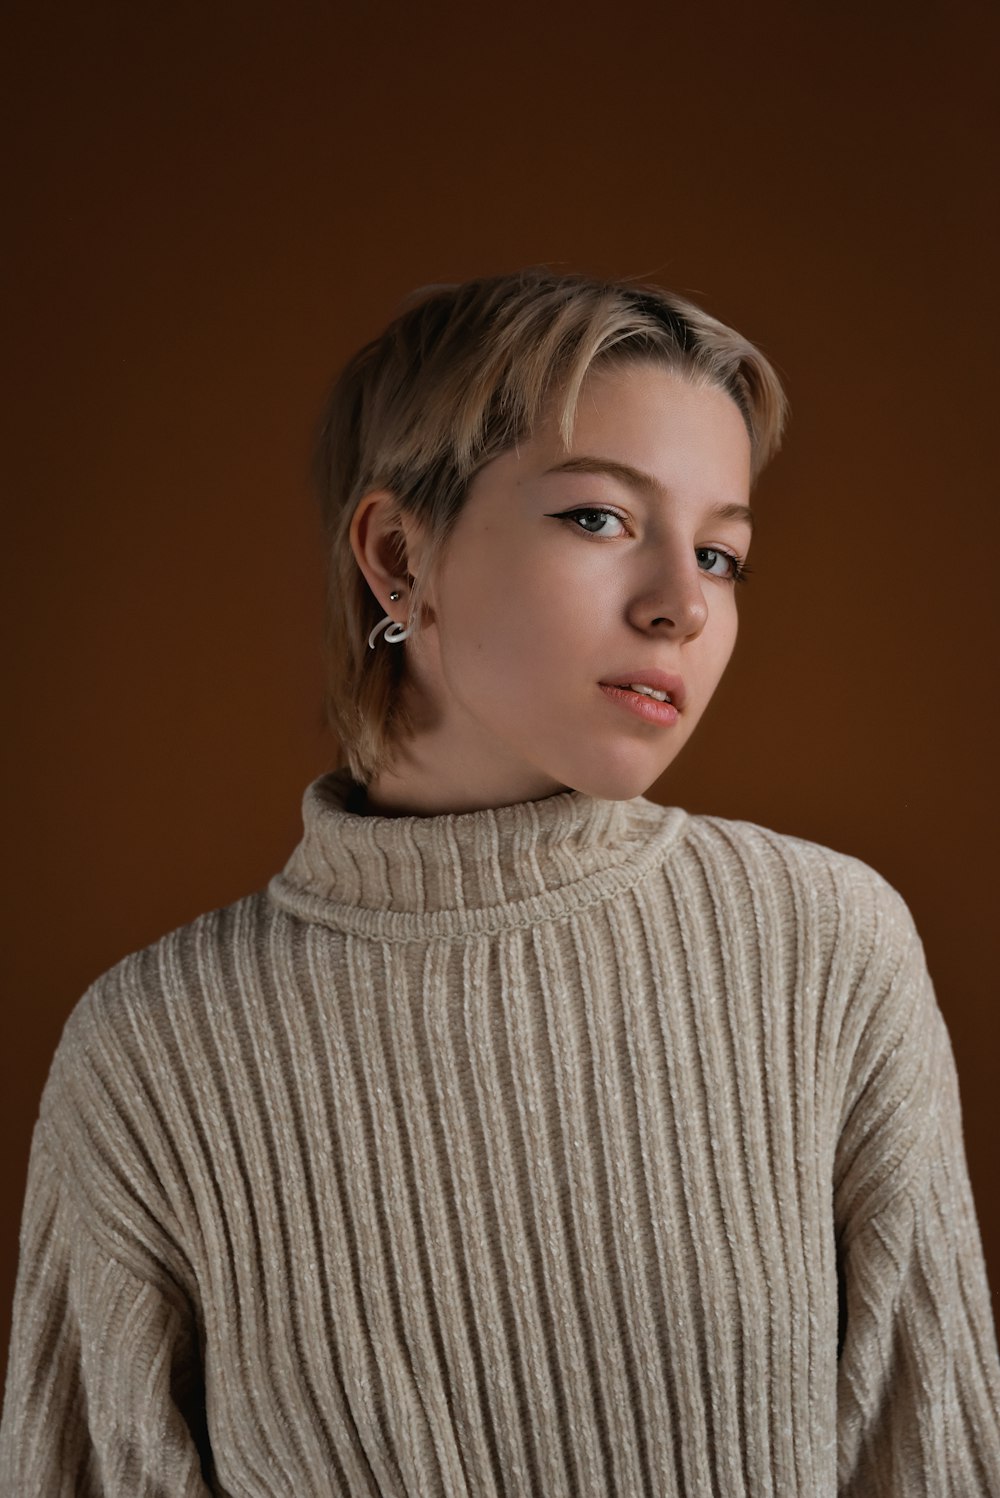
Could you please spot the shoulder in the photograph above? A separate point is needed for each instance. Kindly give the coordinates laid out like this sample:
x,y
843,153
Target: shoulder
x,y
135,1080
762,850
810,892
837,936
158,1003
791,868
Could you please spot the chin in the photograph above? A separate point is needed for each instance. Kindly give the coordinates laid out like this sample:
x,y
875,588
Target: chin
x,y
617,783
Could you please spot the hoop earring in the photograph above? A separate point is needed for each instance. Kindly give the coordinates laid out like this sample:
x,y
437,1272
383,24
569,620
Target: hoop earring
x,y
393,634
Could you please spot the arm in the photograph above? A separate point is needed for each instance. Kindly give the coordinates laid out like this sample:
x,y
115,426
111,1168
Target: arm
x,y
103,1388
919,1379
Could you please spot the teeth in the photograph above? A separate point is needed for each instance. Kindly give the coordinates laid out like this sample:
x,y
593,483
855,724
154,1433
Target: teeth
x,y
648,691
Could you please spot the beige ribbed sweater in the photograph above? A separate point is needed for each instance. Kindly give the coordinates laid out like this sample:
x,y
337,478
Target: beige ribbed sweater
x,y
575,1147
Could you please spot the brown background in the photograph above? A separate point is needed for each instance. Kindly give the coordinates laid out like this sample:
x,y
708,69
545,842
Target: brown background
x,y
214,204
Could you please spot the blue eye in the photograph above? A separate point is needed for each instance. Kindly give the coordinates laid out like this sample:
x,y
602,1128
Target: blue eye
x,y
737,572
579,516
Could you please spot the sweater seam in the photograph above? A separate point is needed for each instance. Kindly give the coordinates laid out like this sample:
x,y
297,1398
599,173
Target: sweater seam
x,y
89,1224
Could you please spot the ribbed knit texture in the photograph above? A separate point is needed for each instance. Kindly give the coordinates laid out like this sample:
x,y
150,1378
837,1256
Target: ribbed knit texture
x,y
571,1148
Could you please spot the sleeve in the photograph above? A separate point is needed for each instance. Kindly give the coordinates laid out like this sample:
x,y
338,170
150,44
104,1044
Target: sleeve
x,y
918,1378
103,1383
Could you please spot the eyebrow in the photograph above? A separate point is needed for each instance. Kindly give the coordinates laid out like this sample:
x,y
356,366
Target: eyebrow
x,y
645,483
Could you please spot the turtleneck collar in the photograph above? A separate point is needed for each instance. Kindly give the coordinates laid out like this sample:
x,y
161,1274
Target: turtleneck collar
x,y
407,878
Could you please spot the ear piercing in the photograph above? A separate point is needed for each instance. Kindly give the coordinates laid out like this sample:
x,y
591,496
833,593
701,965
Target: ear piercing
x,y
394,633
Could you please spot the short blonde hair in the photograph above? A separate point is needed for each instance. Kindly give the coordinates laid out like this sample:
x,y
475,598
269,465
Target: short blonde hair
x,y
462,375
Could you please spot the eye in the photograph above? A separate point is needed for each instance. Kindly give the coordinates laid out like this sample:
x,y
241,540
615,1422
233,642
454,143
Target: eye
x,y
733,566
585,519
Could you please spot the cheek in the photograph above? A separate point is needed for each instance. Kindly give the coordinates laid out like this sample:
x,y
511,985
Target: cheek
x,y
493,605
725,641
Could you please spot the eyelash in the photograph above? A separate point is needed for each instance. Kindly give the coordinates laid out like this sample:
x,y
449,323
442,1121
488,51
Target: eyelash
x,y
739,571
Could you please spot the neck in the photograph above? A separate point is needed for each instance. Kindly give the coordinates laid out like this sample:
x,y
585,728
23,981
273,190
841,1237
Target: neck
x,y
434,775
448,765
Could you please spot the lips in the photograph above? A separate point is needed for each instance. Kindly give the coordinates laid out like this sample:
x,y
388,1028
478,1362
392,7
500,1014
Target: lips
x,y
660,681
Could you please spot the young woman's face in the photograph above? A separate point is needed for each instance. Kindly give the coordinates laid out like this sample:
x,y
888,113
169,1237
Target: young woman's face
x,y
571,569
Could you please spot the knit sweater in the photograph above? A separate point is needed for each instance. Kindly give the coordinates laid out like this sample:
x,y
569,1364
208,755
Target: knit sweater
x,y
575,1147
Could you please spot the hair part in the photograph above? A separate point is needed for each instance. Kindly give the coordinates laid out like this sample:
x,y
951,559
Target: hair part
x,y
462,375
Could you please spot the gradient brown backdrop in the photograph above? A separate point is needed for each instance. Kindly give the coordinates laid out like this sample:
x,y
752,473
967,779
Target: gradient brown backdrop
x,y
213,205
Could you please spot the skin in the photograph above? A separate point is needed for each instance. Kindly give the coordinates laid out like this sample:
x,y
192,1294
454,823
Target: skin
x,y
529,613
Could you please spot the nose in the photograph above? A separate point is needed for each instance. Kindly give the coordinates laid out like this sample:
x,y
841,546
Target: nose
x,y
673,601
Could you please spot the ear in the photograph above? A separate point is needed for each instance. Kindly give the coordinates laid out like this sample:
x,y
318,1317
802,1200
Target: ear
x,y
386,546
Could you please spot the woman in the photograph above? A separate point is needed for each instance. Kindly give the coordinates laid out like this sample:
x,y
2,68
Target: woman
x,y
524,1137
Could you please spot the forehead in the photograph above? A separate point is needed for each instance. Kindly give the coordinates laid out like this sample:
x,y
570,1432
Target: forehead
x,y
651,419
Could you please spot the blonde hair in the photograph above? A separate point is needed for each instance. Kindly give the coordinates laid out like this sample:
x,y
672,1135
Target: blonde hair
x,y
461,376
